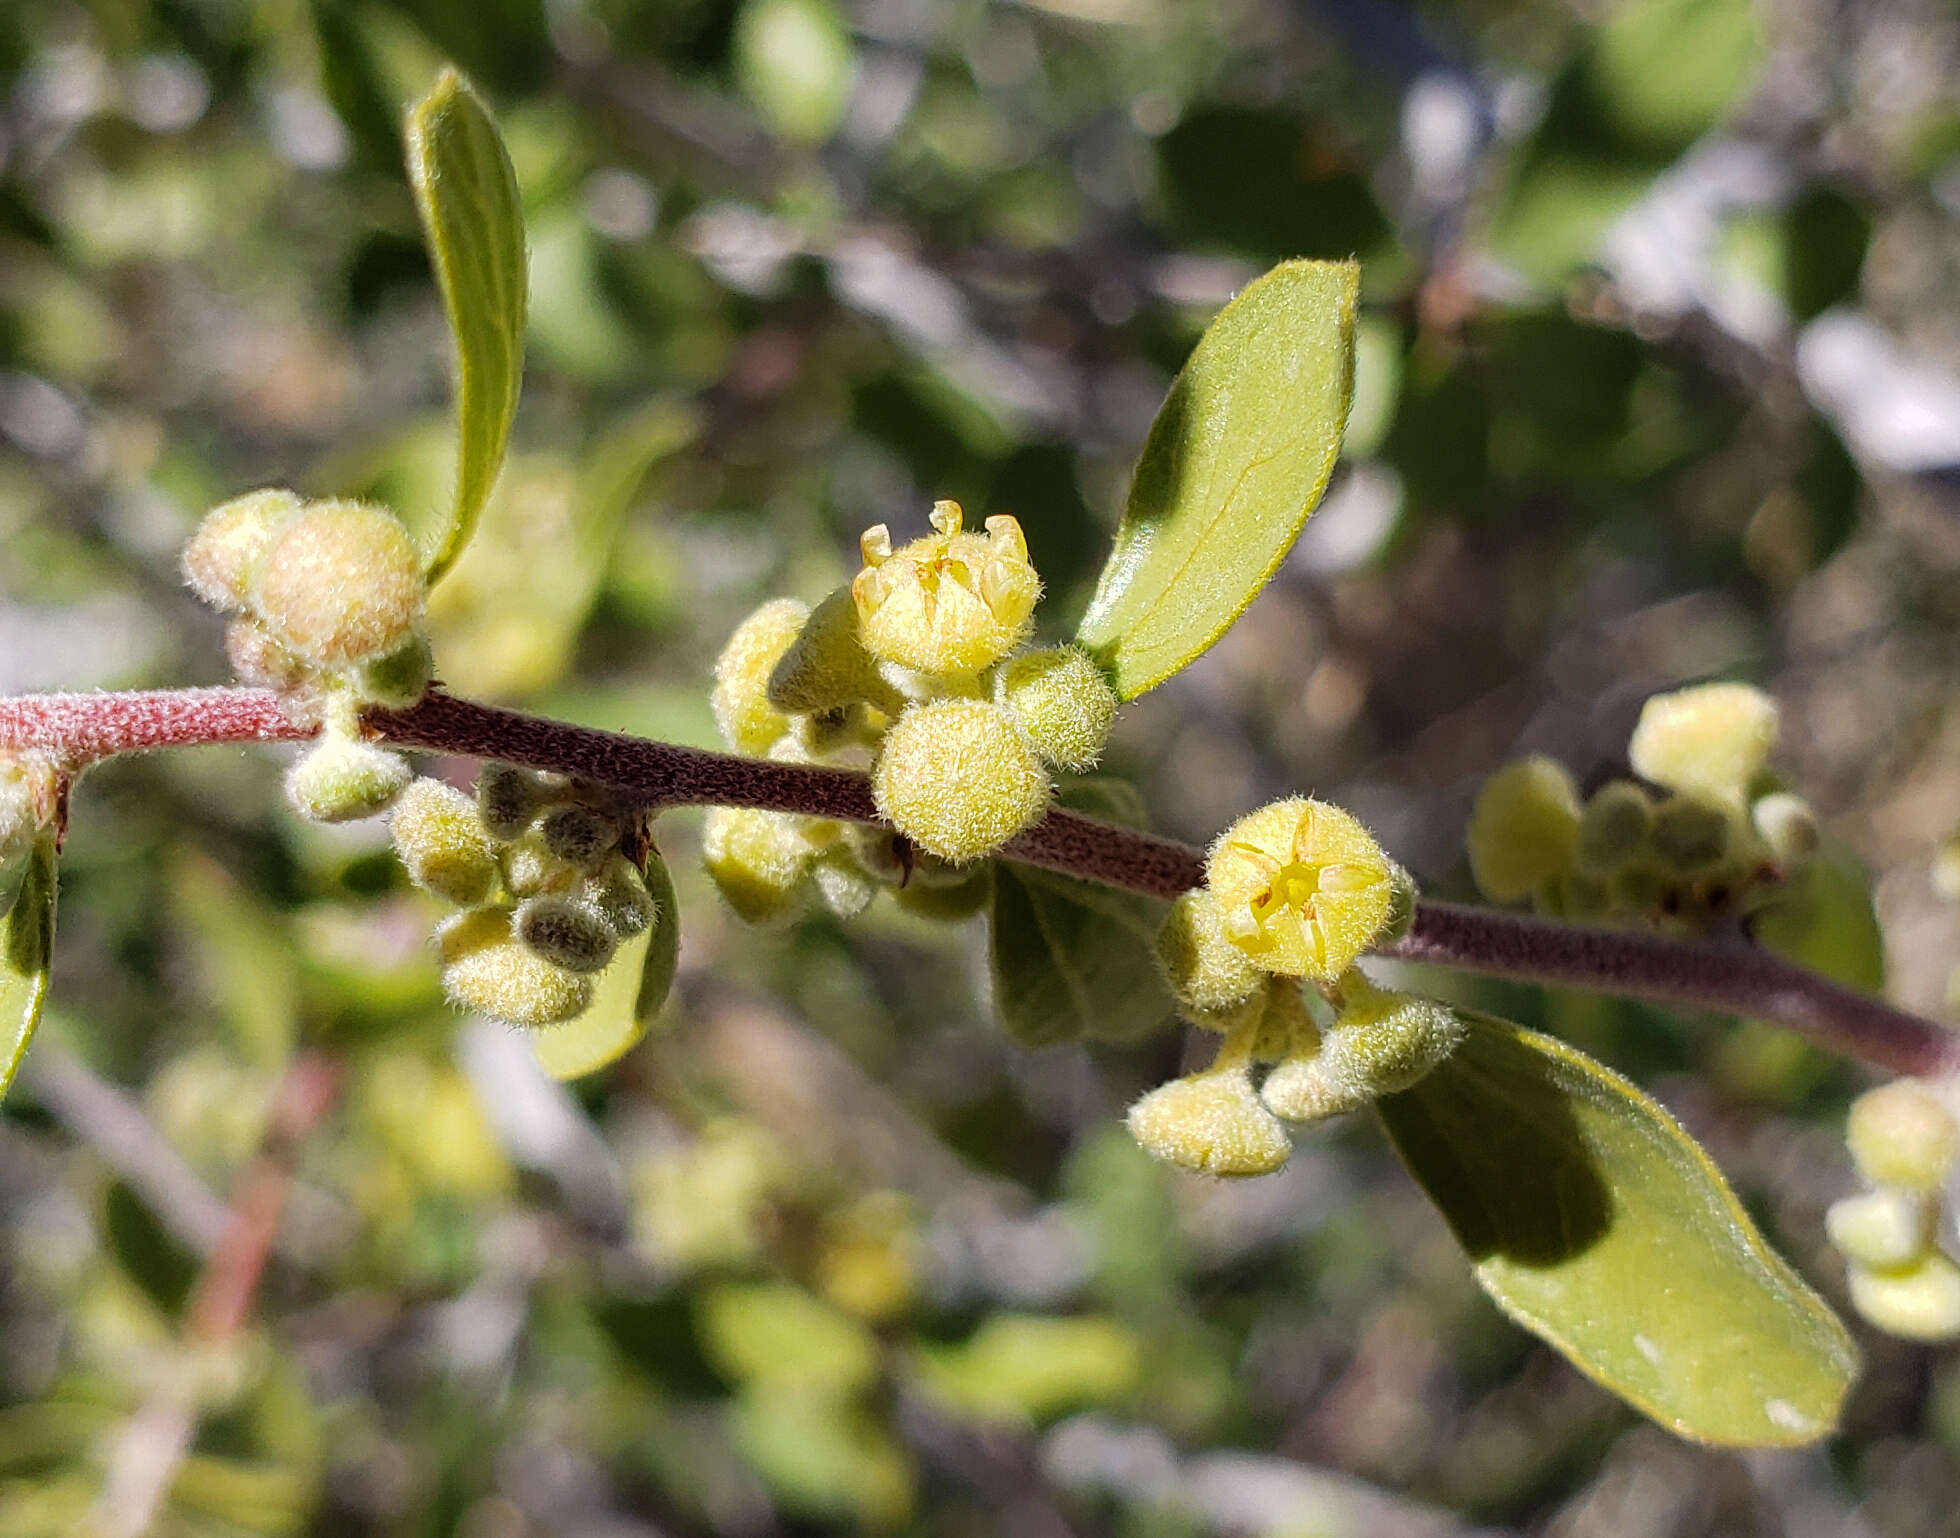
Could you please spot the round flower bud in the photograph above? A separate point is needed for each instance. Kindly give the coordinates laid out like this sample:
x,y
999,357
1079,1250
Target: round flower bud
x,y
256,658
1062,701
1918,1302
1383,1042
1524,829
529,866
579,835
507,798
341,584
1884,1230
1212,1123
510,982
1206,972
1787,827
845,886
402,677
1302,1089
948,901
949,604
1302,888
826,666
956,778
565,932
1613,828
1901,1135
1708,741
341,779
619,894
740,697
1635,891
230,542
757,859
442,842
1688,836
461,934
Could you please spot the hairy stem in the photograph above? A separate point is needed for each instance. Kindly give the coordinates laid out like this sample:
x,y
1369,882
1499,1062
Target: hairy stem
x,y
1727,977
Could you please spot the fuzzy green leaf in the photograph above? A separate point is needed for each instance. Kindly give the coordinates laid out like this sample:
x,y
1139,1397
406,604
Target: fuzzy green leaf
x,y
1599,1225
26,947
627,997
466,193
1237,458
1071,959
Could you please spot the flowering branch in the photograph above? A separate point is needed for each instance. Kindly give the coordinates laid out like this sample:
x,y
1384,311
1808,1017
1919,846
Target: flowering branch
x,y
1729,977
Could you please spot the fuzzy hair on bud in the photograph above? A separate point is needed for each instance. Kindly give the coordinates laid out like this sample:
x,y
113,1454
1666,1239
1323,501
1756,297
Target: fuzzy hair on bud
x,y
229,543
951,603
619,894
1917,1302
757,860
1524,829
256,658
1207,973
845,886
1901,1135
1787,827
565,932
956,778
1212,1123
580,835
1382,1042
1302,887
1613,828
1689,836
1883,1230
401,678
1062,701
442,843
342,779
507,798
510,982
529,866
1708,741
460,934
341,584
740,697
826,666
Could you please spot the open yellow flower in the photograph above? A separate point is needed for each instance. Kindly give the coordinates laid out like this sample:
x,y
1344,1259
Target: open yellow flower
x,y
949,604
1302,887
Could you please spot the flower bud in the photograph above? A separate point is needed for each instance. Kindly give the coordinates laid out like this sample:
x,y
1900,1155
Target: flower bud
x,y
1061,700
1212,1123
401,678
1613,828
506,980
230,542
1302,888
956,778
1708,741
528,864
1881,1229
826,666
1689,836
442,842
845,886
507,798
1403,894
1383,1042
1207,973
618,893
1636,891
949,604
1524,830
748,722
757,859
565,932
579,835
341,584
967,893
1901,1135
1918,1302
1285,1025
1787,827
256,658
1302,1089
341,779
462,934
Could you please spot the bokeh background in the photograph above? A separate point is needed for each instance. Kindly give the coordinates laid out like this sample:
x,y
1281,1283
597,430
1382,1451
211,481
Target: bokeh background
x,y
1659,380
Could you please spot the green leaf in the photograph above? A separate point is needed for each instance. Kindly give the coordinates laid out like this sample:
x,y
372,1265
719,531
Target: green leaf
x,y
466,193
627,997
1599,1225
1822,918
1071,959
1668,70
1237,458
1032,1367
26,947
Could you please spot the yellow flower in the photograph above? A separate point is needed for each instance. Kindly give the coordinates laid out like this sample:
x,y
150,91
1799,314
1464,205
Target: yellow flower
x,y
1302,887
949,604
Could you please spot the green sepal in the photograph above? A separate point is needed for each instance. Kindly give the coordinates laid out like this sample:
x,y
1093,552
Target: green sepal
x,y
1599,1225
627,996
1239,455
26,949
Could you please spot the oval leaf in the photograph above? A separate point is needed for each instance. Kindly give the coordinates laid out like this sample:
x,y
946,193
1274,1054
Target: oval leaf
x,y
628,996
1236,460
1071,959
1599,1225
26,947
466,193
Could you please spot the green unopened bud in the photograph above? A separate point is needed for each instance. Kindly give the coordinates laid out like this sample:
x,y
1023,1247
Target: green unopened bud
x,y
442,842
529,866
1689,836
1304,1087
579,835
402,677
1206,971
1708,741
1524,830
949,604
1062,701
231,540
966,892
619,894
747,720
827,667
341,779
757,859
956,778
341,584
507,798
1901,1135
845,886
1402,896
1212,1123
1884,1230
1637,891
1302,888
1787,827
565,932
462,934
510,982
1383,1042
1613,828
256,658
1918,1302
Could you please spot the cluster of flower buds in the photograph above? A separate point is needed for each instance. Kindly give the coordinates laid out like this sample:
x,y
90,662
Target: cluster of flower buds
x,y
549,886
916,671
327,604
1695,840
1903,1141
1294,893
